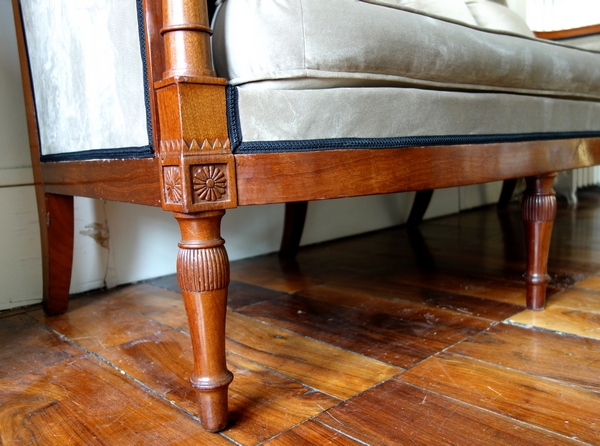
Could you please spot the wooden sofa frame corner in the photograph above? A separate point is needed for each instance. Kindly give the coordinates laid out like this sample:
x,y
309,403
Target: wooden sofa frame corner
x,y
196,176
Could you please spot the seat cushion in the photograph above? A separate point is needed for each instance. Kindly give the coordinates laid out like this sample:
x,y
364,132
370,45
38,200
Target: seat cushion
x,y
316,75
345,43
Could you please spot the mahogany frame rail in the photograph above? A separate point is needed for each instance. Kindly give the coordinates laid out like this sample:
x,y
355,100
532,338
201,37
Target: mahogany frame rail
x,y
196,176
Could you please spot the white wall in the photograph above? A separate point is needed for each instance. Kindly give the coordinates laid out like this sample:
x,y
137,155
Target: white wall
x,y
119,243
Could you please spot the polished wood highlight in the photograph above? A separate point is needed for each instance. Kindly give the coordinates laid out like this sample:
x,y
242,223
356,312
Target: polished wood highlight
x,y
568,33
332,173
129,181
57,251
539,212
311,366
547,404
203,276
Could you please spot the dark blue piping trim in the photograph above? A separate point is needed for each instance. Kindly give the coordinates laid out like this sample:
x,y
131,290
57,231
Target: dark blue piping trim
x,y
233,118
143,55
400,142
101,154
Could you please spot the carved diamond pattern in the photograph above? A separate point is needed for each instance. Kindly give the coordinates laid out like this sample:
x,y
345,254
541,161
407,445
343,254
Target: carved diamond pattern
x,y
209,183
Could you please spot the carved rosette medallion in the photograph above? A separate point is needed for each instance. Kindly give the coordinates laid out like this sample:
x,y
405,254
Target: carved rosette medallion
x,y
209,183
173,189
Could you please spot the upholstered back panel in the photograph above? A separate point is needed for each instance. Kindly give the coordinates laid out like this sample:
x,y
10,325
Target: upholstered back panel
x,y
87,65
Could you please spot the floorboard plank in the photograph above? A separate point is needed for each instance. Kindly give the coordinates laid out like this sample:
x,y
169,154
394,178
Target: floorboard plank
x,y
399,413
558,407
84,401
312,433
261,403
563,358
328,369
398,339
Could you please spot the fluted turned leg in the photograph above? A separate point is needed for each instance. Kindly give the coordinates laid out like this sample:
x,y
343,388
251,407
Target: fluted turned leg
x,y
203,275
539,211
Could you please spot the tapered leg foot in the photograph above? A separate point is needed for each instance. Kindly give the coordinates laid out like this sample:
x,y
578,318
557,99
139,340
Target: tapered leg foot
x,y
203,276
539,212
419,207
508,188
56,225
293,226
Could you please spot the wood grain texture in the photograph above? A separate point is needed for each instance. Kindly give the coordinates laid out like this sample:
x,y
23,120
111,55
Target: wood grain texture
x,y
96,325
57,251
128,181
312,433
558,407
562,358
262,403
568,33
84,401
325,368
37,345
151,302
347,173
563,320
402,338
203,276
398,413
538,211
592,283
577,299
361,292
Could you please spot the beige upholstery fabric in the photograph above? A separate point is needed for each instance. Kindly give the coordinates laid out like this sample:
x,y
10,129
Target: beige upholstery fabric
x,y
492,15
591,42
87,74
292,115
309,44
449,9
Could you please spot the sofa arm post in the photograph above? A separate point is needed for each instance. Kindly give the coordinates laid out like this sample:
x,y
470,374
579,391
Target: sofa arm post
x,y
187,38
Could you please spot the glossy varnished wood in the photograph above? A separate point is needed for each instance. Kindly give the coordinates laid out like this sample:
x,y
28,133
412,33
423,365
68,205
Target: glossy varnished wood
x,y
568,33
262,403
130,181
401,336
85,401
397,413
305,363
345,173
568,359
548,404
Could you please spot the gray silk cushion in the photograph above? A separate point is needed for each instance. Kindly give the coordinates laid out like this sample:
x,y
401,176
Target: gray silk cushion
x,y
448,9
307,44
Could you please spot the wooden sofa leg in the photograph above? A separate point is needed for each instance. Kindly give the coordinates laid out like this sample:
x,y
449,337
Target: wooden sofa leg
x,y
419,207
203,276
56,229
293,226
539,211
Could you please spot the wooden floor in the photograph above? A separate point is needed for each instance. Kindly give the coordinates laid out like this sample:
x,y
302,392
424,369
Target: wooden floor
x,y
396,337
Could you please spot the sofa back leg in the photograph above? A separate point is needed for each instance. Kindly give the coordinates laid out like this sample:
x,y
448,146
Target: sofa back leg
x,y
56,230
539,212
